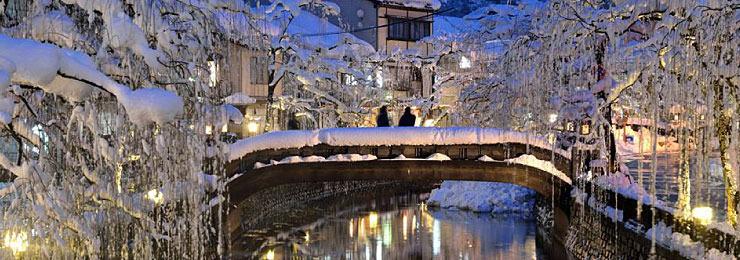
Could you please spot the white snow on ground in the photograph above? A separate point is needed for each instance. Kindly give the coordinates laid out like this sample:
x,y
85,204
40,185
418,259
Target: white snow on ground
x,y
385,136
547,166
483,197
683,243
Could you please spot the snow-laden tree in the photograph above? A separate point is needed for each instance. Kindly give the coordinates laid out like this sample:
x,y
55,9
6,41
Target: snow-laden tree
x,y
659,60
323,73
103,109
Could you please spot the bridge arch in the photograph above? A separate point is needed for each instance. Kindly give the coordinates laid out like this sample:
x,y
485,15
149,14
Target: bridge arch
x,y
463,146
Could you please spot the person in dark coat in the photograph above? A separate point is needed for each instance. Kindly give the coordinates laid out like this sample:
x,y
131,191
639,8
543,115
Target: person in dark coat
x,y
382,120
407,119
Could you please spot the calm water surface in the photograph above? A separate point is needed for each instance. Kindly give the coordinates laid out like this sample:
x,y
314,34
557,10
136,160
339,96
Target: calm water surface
x,y
403,227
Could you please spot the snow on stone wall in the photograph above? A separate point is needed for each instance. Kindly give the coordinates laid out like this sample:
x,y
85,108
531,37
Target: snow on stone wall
x,y
385,136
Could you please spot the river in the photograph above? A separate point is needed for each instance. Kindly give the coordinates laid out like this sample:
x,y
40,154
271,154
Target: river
x,y
387,225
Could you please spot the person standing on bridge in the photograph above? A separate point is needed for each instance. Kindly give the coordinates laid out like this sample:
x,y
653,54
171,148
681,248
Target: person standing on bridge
x,y
383,120
407,119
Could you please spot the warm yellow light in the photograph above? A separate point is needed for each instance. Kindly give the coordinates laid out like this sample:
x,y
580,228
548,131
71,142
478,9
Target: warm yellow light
x,y
429,122
373,220
307,237
405,227
16,241
702,214
155,196
252,127
270,255
134,157
225,128
209,129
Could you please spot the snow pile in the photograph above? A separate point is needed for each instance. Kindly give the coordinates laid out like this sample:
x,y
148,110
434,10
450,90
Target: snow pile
x,y
484,197
683,243
385,136
547,166
438,157
351,158
486,158
313,158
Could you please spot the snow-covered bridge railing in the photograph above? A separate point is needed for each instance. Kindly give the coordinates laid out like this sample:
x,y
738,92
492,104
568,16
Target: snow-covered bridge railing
x,y
389,143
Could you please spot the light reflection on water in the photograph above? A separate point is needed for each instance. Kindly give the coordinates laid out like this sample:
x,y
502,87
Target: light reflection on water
x,y
415,232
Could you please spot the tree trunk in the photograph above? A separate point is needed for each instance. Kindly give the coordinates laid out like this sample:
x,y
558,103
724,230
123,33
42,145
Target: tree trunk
x,y
722,122
684,178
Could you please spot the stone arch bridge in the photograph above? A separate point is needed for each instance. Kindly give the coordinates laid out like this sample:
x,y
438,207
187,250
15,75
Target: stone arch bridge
x,y
373,154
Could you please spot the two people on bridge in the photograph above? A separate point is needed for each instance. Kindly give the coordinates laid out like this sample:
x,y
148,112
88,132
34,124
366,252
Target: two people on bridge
x,y
407,119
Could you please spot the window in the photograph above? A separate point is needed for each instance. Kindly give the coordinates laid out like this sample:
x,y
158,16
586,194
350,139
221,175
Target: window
x,y
259,70
408,30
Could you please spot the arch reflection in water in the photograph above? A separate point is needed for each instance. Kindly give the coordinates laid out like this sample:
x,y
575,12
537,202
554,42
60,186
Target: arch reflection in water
x,y
413,231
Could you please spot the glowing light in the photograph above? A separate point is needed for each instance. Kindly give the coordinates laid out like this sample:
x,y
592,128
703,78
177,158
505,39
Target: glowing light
x,y
270,255
428,122
351,229
405,227
703,214
307,237
252,127
552,118
134,157
373,220
16,241
225,128
465,63
209,129
155,196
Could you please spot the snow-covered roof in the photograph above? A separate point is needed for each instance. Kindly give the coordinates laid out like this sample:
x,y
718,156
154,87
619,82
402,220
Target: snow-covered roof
x,y
418,4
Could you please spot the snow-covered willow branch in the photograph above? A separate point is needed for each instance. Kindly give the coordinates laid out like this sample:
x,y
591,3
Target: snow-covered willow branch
x,y
661,61
104,105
